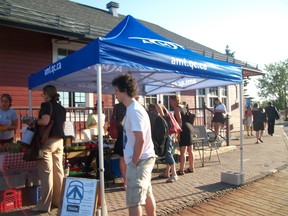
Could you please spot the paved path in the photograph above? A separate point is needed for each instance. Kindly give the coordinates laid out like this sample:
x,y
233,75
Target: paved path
x,y
260,160
267,196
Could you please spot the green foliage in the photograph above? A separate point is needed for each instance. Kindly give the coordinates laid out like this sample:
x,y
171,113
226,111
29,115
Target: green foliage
x,y
246,80
273,85
245,83
228,52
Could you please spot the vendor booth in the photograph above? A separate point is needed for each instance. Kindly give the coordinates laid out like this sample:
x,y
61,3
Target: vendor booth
x,y
159,65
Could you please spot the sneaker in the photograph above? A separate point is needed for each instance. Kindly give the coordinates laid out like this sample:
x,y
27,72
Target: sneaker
x,y
172,179
260,139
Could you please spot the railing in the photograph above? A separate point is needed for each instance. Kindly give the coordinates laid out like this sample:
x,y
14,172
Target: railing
x,y
204,115
77,115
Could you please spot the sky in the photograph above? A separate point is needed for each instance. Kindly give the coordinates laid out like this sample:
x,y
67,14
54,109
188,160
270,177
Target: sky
x,y
256,30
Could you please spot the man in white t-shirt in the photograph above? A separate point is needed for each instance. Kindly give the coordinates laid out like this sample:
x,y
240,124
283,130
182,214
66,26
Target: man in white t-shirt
x,y
139,151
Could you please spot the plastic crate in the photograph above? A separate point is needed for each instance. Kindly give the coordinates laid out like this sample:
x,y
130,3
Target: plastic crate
x,y
10,199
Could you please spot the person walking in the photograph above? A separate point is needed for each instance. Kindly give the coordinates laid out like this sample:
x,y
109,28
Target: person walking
x,y
259,118
272,114
50,168
139,154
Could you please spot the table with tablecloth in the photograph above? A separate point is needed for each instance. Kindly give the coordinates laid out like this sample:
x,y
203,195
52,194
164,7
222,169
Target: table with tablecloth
x,y
15,172
14,161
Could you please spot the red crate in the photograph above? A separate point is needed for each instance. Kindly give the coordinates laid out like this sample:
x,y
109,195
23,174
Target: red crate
x,y
10,199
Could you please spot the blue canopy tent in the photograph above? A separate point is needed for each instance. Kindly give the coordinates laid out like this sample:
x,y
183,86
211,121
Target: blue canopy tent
x,y
158,64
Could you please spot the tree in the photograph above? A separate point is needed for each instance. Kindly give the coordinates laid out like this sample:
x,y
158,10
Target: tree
x,y
229,53
272,85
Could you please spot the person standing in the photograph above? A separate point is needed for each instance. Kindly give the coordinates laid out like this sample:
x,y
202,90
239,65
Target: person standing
x,y
272,113
120,111
169,159
8,120
92,121
50,168
185,137
92,124
139,154
218,118
248,117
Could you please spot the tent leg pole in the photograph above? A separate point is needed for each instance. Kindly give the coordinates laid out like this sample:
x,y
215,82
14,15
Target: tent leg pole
x,y
241,128
100,142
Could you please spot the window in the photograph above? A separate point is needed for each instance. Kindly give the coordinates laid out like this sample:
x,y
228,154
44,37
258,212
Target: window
x,y
152,99
223,91
60,51
64,98
79,99
213,93
223,95
200,97
166,102
72,99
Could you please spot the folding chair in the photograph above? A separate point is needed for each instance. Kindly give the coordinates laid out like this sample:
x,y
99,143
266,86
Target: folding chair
x,y
212,144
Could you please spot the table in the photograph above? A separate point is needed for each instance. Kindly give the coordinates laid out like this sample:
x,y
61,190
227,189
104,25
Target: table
x,y
198,144
15,161
86,154
14,171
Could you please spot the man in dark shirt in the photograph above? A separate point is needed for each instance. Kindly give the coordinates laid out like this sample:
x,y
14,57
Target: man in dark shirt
x,y
272,115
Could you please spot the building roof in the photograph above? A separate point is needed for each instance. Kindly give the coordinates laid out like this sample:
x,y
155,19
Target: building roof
x,y
84,23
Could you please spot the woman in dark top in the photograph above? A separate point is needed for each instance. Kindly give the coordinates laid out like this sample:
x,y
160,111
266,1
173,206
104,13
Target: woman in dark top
x,y
259,119
185,137
50,169
218,118
120,110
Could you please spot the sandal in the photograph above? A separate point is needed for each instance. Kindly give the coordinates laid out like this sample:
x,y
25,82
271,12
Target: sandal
x,y
189,171
163,176
180,172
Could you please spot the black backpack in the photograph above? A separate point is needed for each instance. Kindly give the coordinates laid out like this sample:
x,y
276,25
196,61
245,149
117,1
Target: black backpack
x,y
159,130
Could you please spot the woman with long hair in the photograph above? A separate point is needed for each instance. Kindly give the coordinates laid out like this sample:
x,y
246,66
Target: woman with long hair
x,y
50,168
185,137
